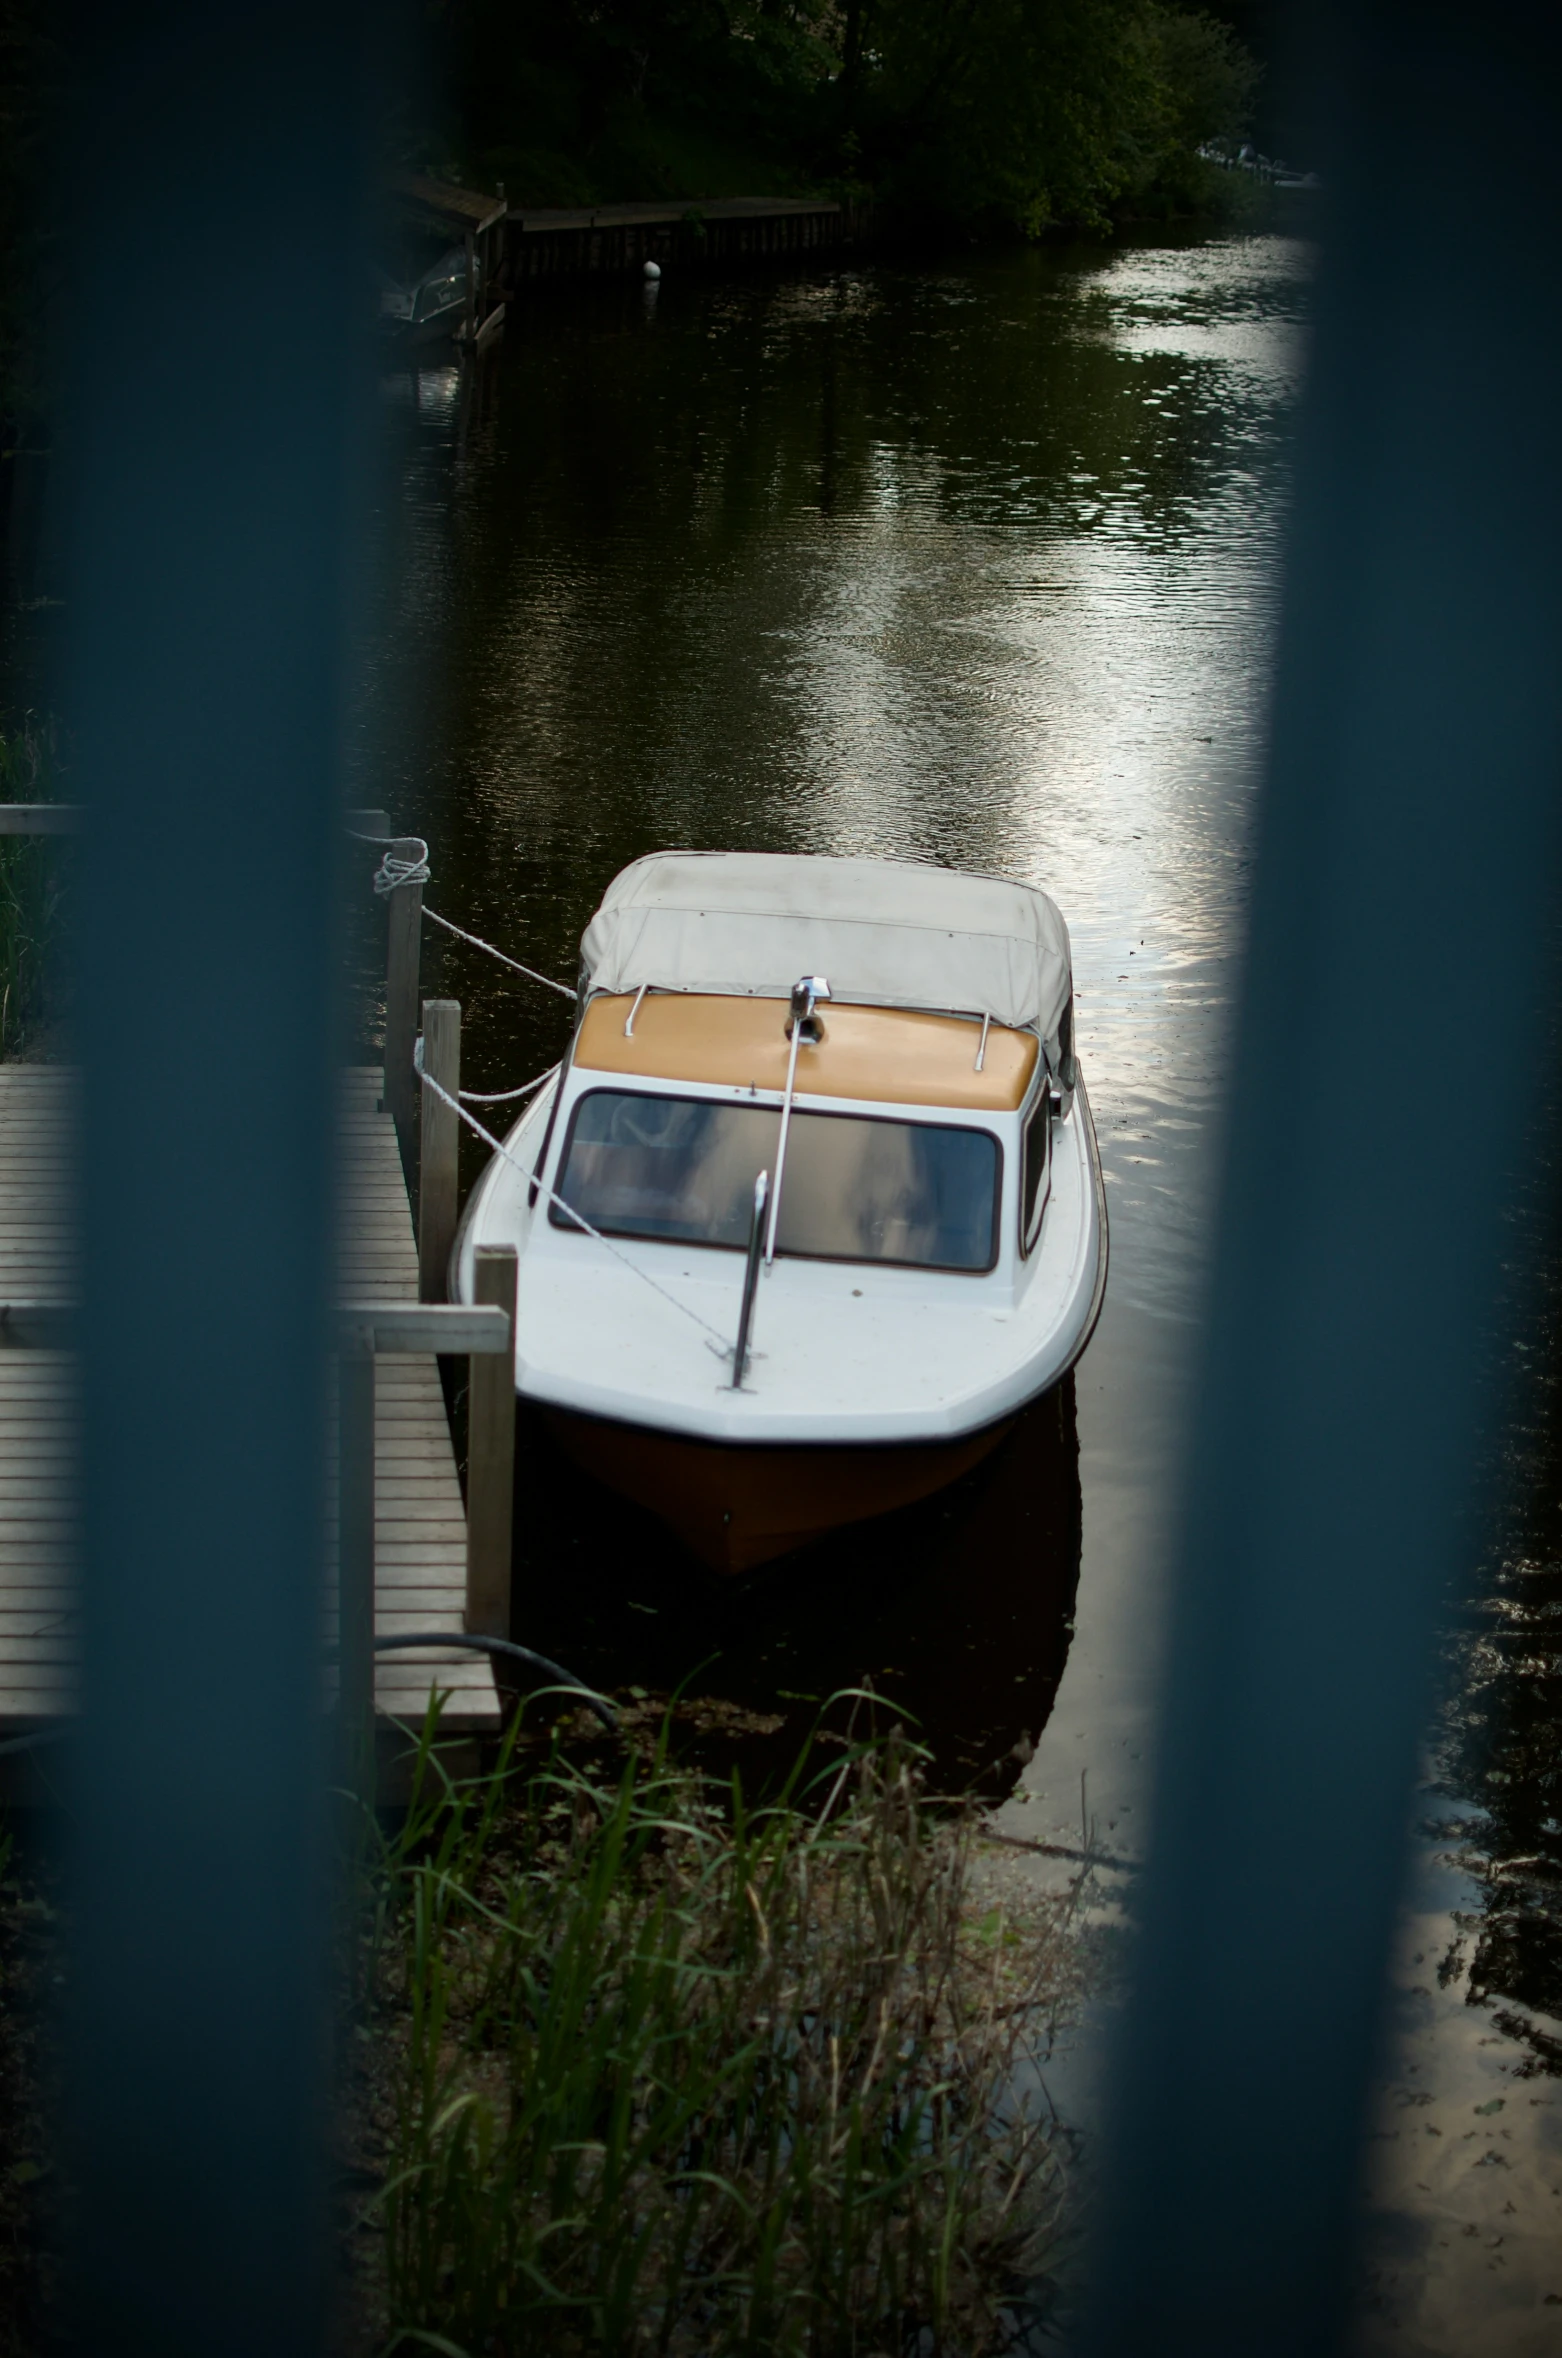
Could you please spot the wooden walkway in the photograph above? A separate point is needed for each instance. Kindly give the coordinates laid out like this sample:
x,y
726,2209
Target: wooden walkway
x,y
419,1520
510,245
37,1402
420,1525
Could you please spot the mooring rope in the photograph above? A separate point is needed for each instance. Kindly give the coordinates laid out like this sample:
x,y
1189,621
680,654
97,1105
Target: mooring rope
x,y
507,1096
569,1211
395,869
478,943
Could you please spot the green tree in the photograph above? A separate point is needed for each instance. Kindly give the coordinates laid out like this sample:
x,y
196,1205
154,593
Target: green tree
x,y
1035,111
1012,112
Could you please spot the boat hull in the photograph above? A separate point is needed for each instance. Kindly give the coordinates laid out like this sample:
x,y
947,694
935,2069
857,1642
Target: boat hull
x,y
737,1505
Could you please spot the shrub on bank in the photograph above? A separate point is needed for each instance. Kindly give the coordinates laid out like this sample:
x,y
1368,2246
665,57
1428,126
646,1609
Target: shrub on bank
x,y
665,2073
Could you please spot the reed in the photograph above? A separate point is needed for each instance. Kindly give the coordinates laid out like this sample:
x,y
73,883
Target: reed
x,y
673,2074
32,883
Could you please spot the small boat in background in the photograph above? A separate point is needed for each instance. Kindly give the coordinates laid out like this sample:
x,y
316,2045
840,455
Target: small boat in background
x,y
434,306
813,1206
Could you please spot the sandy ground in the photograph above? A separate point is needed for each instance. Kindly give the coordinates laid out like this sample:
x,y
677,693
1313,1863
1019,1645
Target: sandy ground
x,y
1463,2251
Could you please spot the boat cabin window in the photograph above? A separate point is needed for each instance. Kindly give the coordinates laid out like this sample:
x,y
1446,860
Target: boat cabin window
x,y
924,1195
1033,1170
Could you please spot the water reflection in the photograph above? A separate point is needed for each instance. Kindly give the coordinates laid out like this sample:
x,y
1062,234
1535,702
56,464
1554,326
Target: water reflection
x,y
972,564
1501,1747
1465,2167
957,1611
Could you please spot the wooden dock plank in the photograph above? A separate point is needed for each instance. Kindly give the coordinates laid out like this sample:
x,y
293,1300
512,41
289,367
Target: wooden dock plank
x,y
420,1553
37,1400
420,1521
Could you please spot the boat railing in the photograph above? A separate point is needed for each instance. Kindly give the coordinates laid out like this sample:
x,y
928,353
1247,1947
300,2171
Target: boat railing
x,y
750,1282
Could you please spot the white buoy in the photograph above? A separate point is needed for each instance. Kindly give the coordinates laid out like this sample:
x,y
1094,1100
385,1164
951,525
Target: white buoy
x,y
653,270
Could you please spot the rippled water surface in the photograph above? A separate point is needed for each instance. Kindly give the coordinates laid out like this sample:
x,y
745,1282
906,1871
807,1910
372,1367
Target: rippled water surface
x,y
973,566
976,563
972,563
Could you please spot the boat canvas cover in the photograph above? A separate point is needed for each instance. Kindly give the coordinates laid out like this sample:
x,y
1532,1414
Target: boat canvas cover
x,y
884,933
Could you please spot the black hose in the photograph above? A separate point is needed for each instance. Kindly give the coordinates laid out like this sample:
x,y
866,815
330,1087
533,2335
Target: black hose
x,y
395,1645
513,1653
31,1743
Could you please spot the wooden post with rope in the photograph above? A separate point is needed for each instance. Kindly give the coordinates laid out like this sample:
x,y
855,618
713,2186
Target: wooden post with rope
x,y
403,951
440,1134
355,1568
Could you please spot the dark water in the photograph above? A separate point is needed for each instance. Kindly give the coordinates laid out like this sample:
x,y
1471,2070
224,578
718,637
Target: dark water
x,y
973,562
1497,1757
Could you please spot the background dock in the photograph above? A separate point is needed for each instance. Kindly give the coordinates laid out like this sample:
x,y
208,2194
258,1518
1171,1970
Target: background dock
x,y
508,247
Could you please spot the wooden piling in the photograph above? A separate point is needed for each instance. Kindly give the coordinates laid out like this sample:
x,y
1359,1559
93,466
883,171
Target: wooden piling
x,y
403,951
355,1566
440,1134
490,1478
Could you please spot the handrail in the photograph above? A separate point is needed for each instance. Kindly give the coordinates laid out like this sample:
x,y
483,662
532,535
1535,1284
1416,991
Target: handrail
x,y
808,989
40,818
455,1330
38,1326
68,818
750,1282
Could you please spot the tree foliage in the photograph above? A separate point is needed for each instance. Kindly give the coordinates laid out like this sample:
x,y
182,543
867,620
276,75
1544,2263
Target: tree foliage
x,y
1024,112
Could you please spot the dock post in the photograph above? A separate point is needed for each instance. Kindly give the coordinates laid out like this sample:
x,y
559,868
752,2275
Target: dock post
x,y
490,1463
403,949
355,1567
440,1132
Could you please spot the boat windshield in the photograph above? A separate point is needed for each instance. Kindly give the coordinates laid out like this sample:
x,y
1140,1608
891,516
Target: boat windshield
x,y
857,1188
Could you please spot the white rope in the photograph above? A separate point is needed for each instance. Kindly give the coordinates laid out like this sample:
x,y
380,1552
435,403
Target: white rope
x,y
507,1096
569,1211
477,943
394,870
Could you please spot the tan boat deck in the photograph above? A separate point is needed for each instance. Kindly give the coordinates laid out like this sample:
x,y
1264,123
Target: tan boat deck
x,y
420,1523
878,1055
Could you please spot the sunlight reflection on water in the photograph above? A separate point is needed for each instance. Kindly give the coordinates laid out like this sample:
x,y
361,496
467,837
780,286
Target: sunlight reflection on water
x,y
975,563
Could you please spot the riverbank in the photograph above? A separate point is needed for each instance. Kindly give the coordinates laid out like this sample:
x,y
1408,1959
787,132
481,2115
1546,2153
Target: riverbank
x,y
509,248
971,558
635,2061
1009,119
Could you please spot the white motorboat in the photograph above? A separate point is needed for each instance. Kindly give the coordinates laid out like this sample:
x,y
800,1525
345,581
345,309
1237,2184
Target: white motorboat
x,y
813,1206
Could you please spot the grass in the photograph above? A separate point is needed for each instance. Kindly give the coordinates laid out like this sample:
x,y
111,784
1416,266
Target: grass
x,y
661,2072
30,1962
32,887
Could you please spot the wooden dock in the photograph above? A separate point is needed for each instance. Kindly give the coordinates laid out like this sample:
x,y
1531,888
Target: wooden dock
x,y
510,246
37,1403
420,1552
540,243
419,1519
